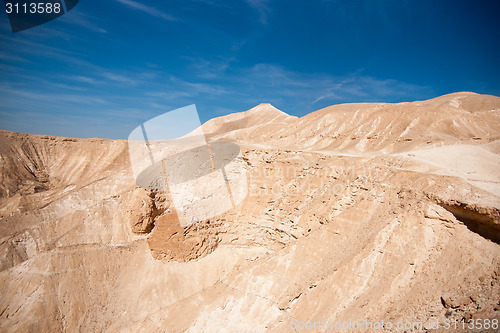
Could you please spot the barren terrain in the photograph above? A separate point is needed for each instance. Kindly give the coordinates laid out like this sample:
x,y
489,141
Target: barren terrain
x,y
379,212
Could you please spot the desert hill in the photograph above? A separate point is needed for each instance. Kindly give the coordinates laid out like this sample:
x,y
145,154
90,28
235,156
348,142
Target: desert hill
x,y
373,211
369,127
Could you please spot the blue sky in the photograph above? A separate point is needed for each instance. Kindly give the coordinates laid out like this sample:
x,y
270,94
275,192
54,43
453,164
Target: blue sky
x,y
107,66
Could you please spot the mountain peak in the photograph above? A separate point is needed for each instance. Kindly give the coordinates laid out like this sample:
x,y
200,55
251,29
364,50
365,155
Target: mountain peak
x,y
266,107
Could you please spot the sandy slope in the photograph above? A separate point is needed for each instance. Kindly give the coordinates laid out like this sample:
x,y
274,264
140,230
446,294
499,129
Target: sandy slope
x,y
379,212
475,164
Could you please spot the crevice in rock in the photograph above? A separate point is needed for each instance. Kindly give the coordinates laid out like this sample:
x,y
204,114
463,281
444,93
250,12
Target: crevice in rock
x,y
484,221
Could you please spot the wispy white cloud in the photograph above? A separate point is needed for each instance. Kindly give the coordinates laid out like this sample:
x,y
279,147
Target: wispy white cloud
x,y
214,85
169,94
209,69
21,96
119,78
23,46
213,89
311,91
103,77
147,9
80,19
68,87
261,7
81,79
12,57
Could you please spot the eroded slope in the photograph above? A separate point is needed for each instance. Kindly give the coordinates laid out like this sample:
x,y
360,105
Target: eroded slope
x,y
346,218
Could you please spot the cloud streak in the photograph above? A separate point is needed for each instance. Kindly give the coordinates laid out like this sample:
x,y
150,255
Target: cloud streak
x,y
119,78
135,96
147,9
305,92
77,18
262,7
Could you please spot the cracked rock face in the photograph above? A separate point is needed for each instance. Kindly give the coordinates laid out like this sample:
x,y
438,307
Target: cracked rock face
x,y
374,212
